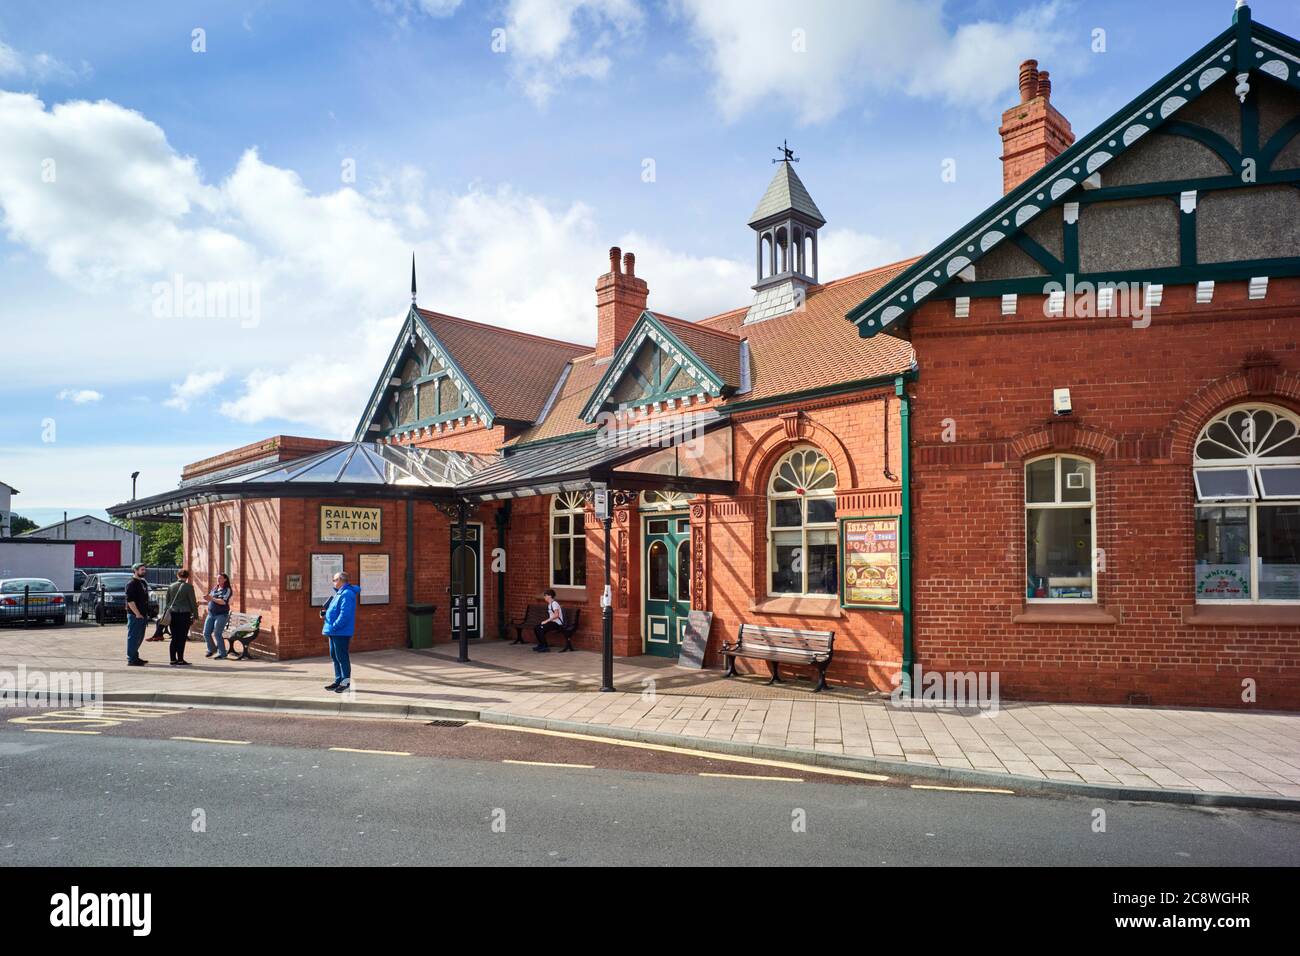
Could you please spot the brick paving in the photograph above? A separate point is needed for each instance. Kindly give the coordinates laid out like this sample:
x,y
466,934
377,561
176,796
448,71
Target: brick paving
x,y
1212,751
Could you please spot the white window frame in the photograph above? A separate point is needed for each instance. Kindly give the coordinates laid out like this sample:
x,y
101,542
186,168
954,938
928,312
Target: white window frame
x,y
1253,463
1056,504
575,507
833,525
228,548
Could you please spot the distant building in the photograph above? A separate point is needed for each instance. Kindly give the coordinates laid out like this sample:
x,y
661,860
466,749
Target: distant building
x,y
100,543
6,495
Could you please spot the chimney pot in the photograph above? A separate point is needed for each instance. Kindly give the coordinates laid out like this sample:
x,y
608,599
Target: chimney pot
x,y
614,253
629,263
1033,131
1028,80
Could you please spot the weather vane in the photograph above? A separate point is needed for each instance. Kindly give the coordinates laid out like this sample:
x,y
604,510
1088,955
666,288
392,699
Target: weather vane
x,y
787,154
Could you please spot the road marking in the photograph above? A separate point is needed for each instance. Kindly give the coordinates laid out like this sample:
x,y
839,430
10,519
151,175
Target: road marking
x,y
926,786
752,776
384,753
706,754
543,763
93,715
210,740
51,730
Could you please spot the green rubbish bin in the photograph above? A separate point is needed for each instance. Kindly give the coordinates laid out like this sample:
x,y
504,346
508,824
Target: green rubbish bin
x,y
419,624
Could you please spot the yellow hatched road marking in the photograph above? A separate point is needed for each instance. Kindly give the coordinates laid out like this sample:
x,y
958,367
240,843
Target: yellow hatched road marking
x,y
386,753
543,763
689,752
52,730
210,740
752,776
930,786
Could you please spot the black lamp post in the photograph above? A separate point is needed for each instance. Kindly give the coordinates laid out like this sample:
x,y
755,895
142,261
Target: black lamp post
x,y
135,537
607,621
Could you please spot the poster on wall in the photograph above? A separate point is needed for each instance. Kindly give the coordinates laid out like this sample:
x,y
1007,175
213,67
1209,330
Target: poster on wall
x,y
350,524
373,575
869,552
323,569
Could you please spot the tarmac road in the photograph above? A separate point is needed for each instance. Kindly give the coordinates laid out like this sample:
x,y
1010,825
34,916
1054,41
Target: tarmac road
x,y
248,788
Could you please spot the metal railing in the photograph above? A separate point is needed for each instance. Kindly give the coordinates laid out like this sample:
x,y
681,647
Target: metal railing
x,y
87,608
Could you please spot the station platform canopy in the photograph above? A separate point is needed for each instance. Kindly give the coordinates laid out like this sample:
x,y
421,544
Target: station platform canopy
x,y
687,453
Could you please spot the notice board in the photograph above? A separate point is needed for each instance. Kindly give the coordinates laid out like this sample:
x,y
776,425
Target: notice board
x,y
695,639
869,556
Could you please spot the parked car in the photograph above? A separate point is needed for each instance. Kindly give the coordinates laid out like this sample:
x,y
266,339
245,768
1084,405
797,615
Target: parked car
x,y
111,605
78,579
32,599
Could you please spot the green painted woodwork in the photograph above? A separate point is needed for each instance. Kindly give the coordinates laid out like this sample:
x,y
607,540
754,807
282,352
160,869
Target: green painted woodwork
x,y
666,562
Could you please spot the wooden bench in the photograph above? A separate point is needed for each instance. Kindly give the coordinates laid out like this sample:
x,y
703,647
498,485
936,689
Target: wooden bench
x,y
781,645
536,614
242,628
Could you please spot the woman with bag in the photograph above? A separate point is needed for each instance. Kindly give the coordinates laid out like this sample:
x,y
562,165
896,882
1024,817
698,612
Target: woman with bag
x,y
182,606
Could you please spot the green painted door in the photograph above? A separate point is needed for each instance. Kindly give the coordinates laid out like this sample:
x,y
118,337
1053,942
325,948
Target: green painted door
x,y
667,564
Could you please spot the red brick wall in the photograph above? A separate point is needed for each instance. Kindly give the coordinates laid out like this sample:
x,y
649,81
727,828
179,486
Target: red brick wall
x,y
1140,396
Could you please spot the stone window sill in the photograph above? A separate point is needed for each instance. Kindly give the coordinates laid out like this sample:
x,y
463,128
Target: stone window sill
x,y
1064,614
1241,615
799,606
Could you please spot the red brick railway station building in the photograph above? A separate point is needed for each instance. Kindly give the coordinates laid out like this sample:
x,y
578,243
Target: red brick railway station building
x,y
1062,446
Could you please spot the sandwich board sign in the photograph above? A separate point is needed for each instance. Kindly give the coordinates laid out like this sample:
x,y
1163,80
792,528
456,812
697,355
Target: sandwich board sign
x,y
695,639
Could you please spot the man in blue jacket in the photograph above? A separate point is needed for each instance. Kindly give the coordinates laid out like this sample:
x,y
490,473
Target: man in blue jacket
x,y
340,616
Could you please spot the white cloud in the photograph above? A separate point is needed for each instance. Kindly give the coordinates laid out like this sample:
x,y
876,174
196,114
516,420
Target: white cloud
x,y
331,268
195,386
818,56
38,67
80,396
556,40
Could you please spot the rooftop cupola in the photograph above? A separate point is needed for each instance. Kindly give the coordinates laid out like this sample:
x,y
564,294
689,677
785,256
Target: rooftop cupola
x,y
785,226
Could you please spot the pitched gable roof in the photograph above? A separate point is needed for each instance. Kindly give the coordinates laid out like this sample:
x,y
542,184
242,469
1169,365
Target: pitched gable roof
x,y
1242,48
786,192
809,349
514,372
670,335
502,374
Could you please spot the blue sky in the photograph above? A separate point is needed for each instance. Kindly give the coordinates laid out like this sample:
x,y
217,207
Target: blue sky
x,y
507,142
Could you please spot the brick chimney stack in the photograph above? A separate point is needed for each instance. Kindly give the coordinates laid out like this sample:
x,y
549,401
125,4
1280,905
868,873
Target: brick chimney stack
x,y
1033,132
620,299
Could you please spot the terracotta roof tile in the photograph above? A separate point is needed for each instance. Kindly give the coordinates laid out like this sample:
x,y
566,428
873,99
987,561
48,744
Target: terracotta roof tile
x,y
516,372
812,348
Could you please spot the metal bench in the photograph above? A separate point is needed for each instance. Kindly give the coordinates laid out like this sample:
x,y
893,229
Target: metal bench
x,y
534,615
242,628
537,613
781,645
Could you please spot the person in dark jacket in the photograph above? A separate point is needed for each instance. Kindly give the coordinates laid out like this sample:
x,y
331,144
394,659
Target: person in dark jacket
x,y
340,616
183,605
137,616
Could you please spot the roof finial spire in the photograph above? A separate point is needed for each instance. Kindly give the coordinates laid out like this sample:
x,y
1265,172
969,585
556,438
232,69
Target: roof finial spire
x,y
412,278
787,154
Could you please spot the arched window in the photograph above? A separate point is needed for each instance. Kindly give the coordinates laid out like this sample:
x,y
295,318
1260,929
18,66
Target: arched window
x,y
1060,530
802,550
568,541
1246,471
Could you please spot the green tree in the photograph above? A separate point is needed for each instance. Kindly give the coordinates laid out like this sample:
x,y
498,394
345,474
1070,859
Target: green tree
x,y
20,525
163,545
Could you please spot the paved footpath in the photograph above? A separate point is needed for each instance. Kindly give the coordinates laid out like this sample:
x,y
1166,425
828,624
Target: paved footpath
x,y
1179,754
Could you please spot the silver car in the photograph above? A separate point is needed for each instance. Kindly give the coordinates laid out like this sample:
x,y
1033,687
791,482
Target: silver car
x,y
32,599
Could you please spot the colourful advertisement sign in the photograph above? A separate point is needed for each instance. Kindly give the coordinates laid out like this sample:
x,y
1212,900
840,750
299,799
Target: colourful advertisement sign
x,y
869,554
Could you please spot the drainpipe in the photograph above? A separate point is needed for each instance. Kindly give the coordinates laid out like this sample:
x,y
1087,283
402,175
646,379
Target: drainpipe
x,y
905,531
